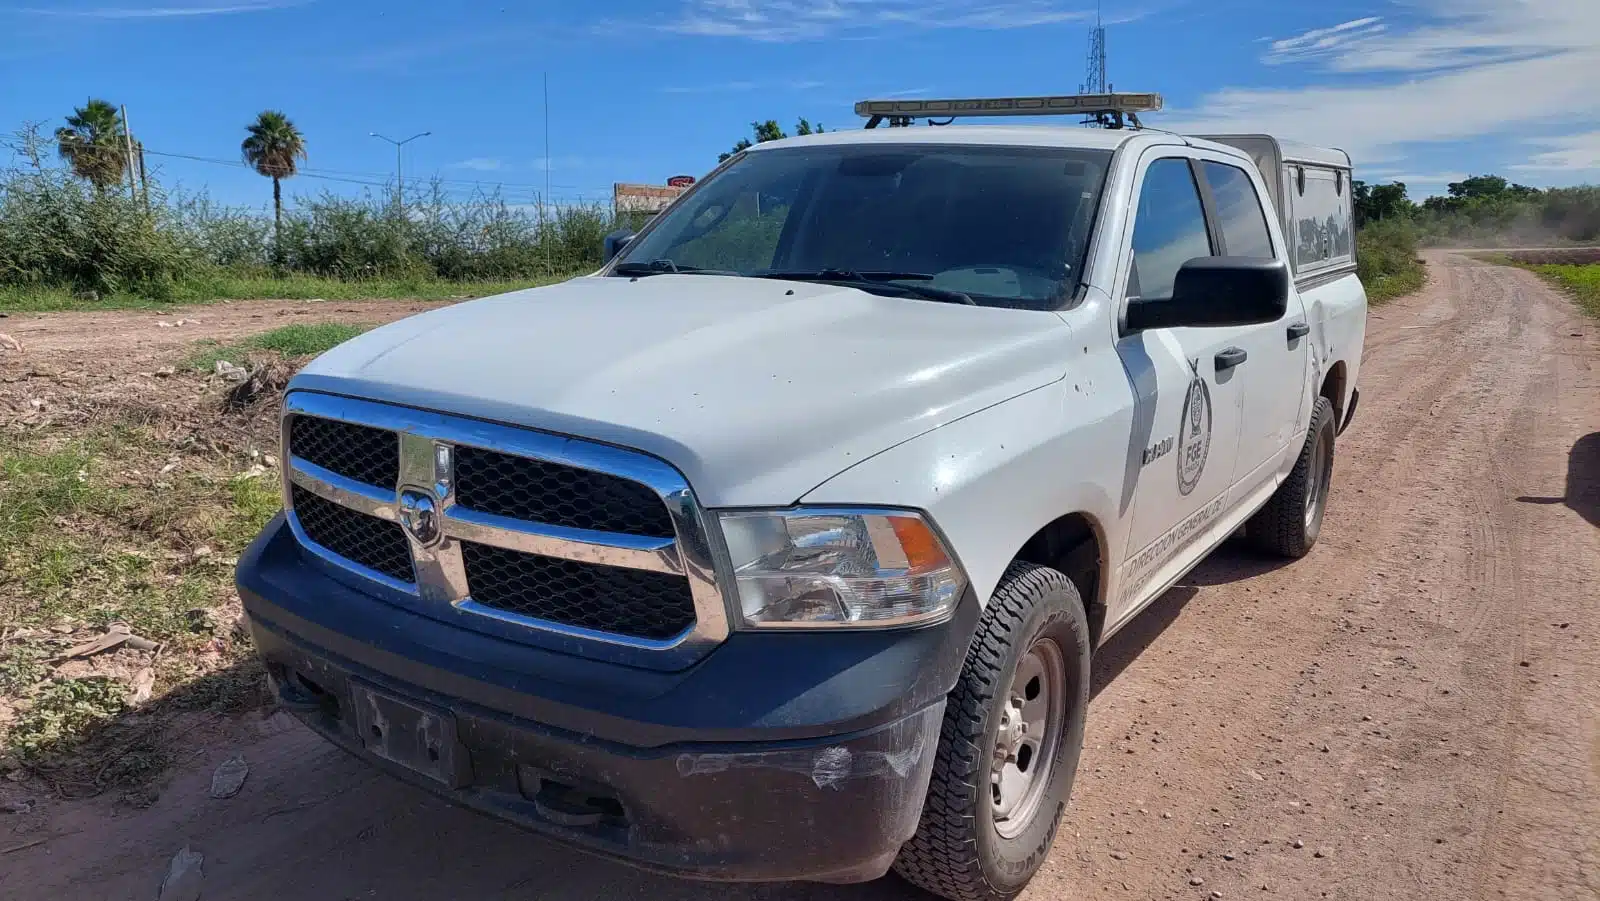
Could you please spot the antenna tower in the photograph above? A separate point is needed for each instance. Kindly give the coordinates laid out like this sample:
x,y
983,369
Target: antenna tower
x,y
1095,77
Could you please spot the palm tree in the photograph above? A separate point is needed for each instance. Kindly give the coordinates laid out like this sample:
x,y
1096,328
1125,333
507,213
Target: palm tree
x,y
272,148
94,144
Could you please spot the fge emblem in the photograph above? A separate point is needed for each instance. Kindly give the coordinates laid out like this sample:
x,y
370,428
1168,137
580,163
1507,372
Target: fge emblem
x,y
1194,431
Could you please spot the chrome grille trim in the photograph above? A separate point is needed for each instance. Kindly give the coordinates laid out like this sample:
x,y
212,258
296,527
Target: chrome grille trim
x,y
440,572
346,492
579,545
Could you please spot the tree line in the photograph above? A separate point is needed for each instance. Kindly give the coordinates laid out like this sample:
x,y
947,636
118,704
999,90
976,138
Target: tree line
x,y
1484,209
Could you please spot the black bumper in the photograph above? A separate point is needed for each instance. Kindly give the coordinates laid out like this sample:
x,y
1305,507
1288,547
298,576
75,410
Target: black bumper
x,y
775,757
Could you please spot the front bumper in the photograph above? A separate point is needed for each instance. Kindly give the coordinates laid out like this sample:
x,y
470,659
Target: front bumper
x,y
792,756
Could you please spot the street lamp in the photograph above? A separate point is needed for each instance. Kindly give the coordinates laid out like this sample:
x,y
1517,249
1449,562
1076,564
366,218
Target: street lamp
x,y
399,179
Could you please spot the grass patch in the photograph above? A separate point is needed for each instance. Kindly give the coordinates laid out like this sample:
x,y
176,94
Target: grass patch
x,y
1581,281
298,340
126,523
62,710
210,288
1385,287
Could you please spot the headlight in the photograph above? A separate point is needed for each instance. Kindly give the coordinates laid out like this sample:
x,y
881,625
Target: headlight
x,y
839,568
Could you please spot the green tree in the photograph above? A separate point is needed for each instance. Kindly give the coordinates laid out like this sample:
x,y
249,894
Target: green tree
x,y
273,147
1374,203
769,130
94,144
1488,186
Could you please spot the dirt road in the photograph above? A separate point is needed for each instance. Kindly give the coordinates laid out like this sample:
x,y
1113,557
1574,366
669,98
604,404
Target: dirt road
x,y
1412,712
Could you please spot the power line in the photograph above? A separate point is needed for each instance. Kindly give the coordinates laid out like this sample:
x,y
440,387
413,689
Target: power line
x,y
339,174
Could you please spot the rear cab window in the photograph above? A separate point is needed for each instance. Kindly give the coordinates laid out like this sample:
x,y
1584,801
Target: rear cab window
x,y
1239,213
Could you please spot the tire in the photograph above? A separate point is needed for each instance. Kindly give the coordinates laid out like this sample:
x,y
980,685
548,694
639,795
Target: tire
x,y
965,848
1291,521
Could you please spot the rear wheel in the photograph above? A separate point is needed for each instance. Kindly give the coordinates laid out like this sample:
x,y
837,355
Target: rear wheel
x,y
1290,523
1009,745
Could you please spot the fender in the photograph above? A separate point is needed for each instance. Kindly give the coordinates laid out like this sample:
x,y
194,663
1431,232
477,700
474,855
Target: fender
x,y
994,478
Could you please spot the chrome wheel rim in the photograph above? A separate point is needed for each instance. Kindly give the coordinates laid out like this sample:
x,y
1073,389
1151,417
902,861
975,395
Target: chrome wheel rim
x,y
1032,718
1321,475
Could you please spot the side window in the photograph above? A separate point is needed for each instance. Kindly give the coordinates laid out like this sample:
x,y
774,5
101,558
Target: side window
x,y
1238,209
1169,229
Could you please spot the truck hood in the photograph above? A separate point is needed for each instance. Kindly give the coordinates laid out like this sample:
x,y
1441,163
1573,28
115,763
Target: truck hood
x,y
756,390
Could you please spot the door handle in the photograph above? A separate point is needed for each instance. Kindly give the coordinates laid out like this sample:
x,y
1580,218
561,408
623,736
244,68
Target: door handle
x,y
1299,330
1229,358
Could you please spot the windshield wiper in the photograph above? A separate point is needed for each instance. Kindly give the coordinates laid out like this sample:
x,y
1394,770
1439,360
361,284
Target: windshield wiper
x,y
654,267
874,279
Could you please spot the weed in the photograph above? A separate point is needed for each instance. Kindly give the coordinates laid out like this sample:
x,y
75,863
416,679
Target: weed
x,y
62,709
88,543
21,666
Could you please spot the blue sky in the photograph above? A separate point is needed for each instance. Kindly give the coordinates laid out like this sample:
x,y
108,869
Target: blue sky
x,y
1424,91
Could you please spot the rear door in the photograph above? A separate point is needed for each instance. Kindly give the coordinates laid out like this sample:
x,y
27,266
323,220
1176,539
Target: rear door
x,y
1186,424
1277,356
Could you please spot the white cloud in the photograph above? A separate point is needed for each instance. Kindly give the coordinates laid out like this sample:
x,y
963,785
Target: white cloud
x,y
164,12
479,164
1577,152
798,20
1473,68
1320,42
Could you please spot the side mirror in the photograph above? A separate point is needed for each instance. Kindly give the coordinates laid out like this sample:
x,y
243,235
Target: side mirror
x,y
615,241
1218,291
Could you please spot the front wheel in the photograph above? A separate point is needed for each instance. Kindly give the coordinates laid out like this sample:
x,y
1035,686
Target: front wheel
x,y
1009,745
1291,521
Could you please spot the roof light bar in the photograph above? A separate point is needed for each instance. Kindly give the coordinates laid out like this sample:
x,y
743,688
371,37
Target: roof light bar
x,y
1061,105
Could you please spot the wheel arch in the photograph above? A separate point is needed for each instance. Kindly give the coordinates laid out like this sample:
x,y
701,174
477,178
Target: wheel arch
x,y
1074,544
1334,386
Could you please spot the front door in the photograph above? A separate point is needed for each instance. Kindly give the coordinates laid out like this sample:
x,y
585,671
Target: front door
x,y
1189,398
1277,353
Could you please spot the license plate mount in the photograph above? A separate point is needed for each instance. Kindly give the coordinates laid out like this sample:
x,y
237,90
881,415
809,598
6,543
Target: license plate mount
x,y
419,737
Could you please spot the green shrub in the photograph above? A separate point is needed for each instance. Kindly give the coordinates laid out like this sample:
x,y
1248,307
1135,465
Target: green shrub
x,y
1386,259
59,233
58,230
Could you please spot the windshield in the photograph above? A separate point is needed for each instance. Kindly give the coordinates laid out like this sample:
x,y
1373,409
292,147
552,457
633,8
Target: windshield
x,y
1004,226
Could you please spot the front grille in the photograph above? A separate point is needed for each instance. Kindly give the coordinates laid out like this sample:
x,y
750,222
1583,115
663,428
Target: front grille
x,y
558,495
369,541
354,451
629,602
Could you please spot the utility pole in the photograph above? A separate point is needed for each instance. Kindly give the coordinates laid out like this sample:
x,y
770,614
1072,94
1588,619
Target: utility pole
x,y
144,180
399,178
127,140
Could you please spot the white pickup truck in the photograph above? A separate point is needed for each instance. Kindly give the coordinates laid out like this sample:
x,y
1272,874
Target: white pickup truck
x,y
779,548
